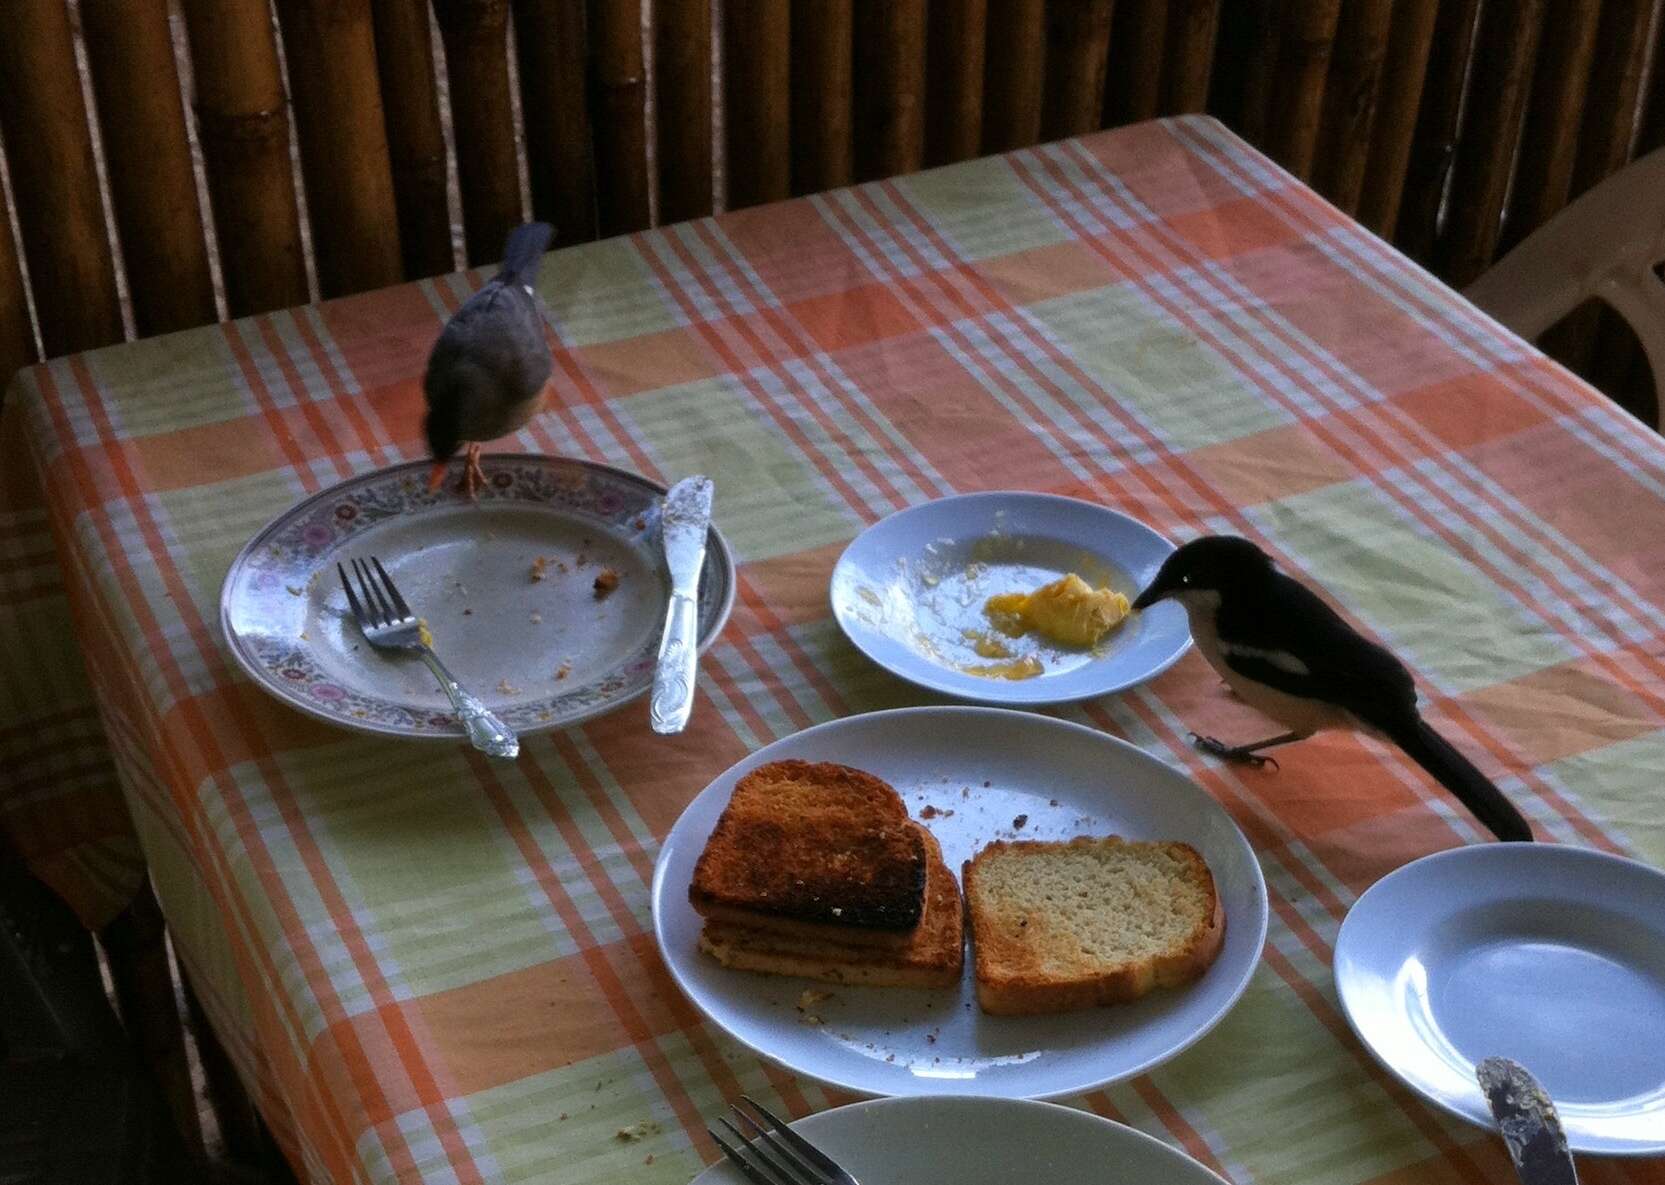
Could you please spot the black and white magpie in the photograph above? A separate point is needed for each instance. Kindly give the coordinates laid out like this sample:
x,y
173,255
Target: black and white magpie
x,y
1289,655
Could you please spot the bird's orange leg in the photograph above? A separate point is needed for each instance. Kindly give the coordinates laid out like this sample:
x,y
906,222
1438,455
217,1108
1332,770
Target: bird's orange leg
x,y
474,478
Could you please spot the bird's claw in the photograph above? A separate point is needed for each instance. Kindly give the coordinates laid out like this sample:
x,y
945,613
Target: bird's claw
x,y
1218,748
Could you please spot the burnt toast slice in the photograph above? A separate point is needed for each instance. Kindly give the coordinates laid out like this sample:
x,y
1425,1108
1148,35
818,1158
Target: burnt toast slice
x,y
934,957
816,851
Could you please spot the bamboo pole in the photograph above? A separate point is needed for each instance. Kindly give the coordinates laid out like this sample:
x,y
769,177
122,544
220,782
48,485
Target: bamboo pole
x,y
1077,48
50,157
954,80
330,48
1013,74
1434,143
1133,77
757,100
1549,143
1397,104
1192,26
889,75
1307,40
1350,100
1504,47
243,127
682,109
555,105
147,160
17,338
619,112
822,37
475,34
415,139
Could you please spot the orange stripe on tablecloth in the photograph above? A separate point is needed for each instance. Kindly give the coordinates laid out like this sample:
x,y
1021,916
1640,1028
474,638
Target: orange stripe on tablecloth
x,y
73,469
603,805
276,418
378,447
235,701
309,409
740,325
1317,424
1169,1115
638,1032
804,347
755,599
1412,1108
741,373
1148,472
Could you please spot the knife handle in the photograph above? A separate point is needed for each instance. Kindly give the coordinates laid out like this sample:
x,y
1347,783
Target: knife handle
x,y
673,677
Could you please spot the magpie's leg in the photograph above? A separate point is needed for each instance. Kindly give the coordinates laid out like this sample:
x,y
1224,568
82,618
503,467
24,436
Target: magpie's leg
x,y
1246,754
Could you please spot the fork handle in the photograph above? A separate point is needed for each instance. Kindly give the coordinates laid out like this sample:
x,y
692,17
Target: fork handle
x,y
485,731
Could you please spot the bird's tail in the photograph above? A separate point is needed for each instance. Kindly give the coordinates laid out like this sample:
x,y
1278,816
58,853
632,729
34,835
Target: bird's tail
x,y
524,251
1457,774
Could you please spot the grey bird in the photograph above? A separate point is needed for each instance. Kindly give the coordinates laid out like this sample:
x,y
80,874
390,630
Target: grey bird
x,y
1289,655
488,370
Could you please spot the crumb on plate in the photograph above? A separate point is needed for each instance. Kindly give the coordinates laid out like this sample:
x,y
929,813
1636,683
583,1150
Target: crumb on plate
x,y
537,618
562,671
539,563
507,688
1019,822
605,583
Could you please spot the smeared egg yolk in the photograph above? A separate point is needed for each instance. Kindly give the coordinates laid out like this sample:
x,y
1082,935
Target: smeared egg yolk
x,y
1068,611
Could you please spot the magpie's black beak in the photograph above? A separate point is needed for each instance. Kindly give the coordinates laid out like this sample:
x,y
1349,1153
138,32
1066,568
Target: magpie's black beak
x,y
1159,589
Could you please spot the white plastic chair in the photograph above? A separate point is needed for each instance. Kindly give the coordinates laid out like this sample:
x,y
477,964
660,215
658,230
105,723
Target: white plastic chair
x,y
1604,245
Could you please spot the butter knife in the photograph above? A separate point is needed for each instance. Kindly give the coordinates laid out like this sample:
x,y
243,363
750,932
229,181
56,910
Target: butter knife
x,y
685,522
1527,1119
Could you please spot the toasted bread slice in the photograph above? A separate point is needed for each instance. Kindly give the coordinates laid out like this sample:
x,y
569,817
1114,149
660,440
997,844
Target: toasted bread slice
x,y
814,851
1057,926
933,957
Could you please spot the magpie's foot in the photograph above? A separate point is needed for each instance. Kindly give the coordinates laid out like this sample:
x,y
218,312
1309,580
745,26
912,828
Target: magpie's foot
x,y
1233,753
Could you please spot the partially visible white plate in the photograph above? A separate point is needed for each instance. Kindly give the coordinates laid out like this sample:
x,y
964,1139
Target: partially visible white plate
x,y
979,768
980,1141
908,589
1552,956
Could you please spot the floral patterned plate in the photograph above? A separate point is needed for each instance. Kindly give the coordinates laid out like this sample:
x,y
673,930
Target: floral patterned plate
x,y
512,588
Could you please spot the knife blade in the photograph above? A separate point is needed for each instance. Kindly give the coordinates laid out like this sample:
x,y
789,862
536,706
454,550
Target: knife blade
x,y
1527,1119
685,522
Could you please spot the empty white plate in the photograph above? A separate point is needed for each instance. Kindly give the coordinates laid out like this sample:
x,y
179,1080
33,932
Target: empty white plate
x,y
909,592
978,1141
1552,956
973,775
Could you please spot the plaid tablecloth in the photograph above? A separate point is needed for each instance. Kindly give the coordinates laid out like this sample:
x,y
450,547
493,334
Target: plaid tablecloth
x,y
435,968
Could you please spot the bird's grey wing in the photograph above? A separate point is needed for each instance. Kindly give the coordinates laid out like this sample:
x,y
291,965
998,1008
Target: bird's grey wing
x,y
1291,640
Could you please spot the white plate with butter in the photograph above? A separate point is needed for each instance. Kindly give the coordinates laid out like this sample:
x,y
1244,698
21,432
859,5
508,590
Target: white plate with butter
x,y
971,776
911,592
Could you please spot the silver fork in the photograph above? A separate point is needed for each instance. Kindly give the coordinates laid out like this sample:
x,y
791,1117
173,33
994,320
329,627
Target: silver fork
x,y
388,624
774,1154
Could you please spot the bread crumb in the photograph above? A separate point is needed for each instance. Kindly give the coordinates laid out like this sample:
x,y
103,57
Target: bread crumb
x,y
930,812
640,524
507,688
1052,802
1018,823
986,784
562,671
562,1116
295,590
468,613
637,1131
648,1159
538,565
605,583
537,618
965,792
810,998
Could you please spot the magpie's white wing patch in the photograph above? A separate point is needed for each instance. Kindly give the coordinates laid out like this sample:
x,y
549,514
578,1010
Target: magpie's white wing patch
x,y
1282,659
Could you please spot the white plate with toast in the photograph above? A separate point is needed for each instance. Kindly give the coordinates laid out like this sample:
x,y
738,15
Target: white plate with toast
x,y
981,1141
973,776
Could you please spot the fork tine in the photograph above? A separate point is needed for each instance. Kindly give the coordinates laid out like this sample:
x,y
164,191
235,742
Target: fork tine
x,y
806,1152
803,1173
782,1172
738,1159
392,589
352,598
367,590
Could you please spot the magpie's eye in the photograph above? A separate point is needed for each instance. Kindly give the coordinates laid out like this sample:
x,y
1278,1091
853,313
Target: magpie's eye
x,y
1185,579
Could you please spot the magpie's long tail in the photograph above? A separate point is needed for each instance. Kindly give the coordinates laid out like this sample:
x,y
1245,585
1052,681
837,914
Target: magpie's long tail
x,y
1457,774
524,251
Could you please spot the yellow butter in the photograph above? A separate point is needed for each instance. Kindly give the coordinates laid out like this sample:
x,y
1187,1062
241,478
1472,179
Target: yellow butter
x,y
1068,611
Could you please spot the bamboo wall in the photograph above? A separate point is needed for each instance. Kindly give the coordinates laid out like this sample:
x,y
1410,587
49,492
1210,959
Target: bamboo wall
x,y
169,161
